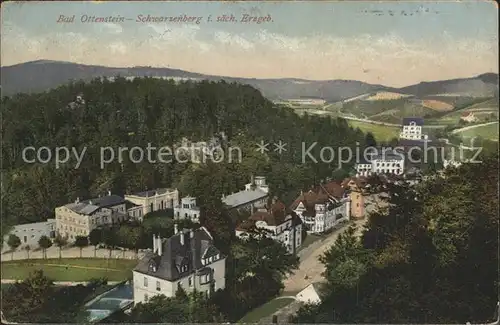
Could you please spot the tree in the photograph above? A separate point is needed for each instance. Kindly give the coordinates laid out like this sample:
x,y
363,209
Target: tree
x,y
81,242
60,241
14,242
370,140
44,242
95,238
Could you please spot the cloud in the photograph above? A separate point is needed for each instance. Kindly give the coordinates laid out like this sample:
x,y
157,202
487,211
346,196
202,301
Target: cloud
x,y
118,48
111,28
388,59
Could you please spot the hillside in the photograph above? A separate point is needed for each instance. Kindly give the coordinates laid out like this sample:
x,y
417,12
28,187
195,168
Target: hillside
x,y
485,85
42,75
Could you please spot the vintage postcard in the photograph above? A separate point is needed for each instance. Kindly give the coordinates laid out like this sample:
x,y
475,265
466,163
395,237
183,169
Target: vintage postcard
x,y
250,162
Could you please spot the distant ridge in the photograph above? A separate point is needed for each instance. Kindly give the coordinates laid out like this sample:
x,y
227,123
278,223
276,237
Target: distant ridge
x,y
41,75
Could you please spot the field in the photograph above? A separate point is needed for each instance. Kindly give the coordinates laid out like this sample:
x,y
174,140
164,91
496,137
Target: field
x,y
489,132
81,269
381,132
385,95
437,105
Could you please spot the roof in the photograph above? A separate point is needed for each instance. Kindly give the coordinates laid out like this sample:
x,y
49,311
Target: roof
x,y
388,154
158,191
322,194
130,205
175,254
244,197
275,215
88,207
360,182
418,120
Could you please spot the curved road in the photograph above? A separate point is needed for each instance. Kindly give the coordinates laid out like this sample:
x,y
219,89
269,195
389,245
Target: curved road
x,y
472,127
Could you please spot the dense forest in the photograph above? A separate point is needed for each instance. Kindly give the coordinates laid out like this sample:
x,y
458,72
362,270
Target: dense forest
x,y
159,112
431,257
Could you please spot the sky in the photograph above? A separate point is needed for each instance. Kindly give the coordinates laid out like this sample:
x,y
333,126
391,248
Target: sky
x,y
389,43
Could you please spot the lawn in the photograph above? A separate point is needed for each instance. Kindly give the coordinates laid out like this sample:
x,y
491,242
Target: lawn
x,y
81,269
381,132
489,132
265,310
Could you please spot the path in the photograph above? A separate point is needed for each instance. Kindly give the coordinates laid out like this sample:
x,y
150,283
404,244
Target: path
x,y
61,283
309,256
72,266
310,265
69,252
472,127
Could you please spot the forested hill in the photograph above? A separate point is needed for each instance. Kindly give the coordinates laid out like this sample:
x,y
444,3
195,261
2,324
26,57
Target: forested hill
x,y
161,112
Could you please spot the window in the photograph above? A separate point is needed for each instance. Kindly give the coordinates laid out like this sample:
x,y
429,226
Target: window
x,y
357,205
145,282
158,287
190,281
25,239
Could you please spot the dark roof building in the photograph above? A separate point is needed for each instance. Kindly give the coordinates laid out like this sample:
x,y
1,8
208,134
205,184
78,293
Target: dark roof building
x,y
88,207
417,120
180,255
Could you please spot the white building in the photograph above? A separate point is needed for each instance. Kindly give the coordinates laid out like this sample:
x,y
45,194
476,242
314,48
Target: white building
x,y
150,201
412,129
188,259
386,162
187,209
30,233
468,117
323,208
281,225
310,295
255,195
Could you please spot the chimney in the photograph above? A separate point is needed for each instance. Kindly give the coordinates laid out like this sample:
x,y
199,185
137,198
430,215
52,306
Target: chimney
x,y
77,200
252,180
176,229
90,202
191,233
182,238
160,246
99,195
109,193
154,243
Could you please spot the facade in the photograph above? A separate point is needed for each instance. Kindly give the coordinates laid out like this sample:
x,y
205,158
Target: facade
x,y
188,259
30,233
387,162
81,217
412,129
468,117
187,209
356,189
154,200
281,224
323,207
254,196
